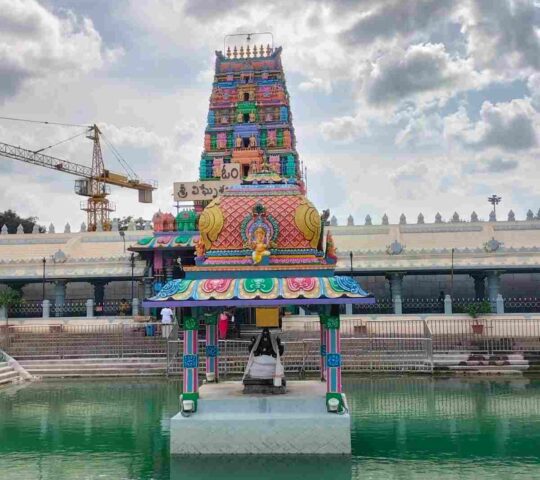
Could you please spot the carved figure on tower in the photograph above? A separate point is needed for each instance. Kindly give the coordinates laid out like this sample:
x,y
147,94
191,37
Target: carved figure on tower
x,y
260,247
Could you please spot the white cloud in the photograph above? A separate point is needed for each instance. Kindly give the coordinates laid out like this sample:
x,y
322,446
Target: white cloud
x,y
398,17
422,72
35,44
421,130
533,85
316,84
344,129
503,36
510,126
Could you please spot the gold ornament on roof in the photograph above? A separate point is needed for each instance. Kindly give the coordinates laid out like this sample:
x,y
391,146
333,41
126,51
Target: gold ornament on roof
x,y
308,221
211,223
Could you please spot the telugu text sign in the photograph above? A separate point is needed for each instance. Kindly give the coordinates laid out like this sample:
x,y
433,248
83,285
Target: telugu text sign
x,y
230,172
184,191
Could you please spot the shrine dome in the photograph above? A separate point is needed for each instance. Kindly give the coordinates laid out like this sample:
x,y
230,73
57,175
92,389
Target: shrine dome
x,y
275,219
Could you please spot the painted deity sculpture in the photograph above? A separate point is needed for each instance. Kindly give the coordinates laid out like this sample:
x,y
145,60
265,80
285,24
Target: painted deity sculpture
x,y
260,247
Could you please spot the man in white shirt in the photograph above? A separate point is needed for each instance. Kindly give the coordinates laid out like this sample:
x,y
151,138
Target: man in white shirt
x,y
167,316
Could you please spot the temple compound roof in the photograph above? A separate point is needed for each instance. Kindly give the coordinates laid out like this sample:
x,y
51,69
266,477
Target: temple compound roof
x,y
72,256
261,241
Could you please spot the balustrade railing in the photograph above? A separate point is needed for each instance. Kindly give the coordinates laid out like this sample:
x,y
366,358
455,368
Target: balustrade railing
x,y
26,309
522,305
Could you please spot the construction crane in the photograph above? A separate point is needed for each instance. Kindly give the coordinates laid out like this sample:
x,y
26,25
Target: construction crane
x,y
95,180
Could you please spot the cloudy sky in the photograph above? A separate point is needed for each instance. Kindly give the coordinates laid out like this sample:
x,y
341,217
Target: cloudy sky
x,y
400,106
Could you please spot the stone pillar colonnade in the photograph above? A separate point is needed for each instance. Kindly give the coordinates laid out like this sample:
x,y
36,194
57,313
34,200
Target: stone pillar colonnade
x,y
479,285
493,285
396,288
59,297
211,349
190,359
147,292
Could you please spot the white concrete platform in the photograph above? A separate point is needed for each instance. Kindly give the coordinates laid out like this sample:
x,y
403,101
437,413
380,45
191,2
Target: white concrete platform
x,y
228,422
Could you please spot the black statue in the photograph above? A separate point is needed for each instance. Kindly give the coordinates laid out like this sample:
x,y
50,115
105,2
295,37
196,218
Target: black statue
x,y
265,345
264,373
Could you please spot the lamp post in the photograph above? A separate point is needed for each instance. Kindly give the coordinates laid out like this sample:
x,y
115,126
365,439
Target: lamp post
x,y
452,276
132,259
44,261
351,258
494,200
123,235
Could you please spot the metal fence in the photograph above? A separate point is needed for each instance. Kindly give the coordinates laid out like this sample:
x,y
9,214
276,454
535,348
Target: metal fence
x,y
83,341
522,305
303,356
485,335
447,333
25,309
70,308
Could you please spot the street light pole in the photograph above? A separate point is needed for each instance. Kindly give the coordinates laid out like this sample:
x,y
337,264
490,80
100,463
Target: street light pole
x,y
132,258
44,261
494,200
351,258
123,235
452,276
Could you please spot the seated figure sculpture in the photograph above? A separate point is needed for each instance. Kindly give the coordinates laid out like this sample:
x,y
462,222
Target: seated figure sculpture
x,y
260,254
264,372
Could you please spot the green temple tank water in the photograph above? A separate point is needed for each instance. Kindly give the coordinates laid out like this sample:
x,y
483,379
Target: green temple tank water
x,y
402,428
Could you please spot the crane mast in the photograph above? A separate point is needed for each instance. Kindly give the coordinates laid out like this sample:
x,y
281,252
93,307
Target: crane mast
x,y
97,207
93,183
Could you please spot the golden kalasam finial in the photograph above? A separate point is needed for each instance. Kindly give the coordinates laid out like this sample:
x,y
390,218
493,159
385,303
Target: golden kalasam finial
x,y
241,51
254,50
268,50
235,52
261,50
248,52
228,52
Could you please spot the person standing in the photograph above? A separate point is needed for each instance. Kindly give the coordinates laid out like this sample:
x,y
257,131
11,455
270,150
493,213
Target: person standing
x,y
223,325
167,316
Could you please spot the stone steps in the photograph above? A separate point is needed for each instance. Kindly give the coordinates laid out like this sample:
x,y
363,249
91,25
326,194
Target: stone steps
x,y
8,375
96,367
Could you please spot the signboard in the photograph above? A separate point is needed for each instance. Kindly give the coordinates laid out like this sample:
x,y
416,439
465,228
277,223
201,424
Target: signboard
x,y
267,317
188,191
184,191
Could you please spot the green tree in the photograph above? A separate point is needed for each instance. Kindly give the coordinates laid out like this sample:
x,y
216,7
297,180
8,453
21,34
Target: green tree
x,y
12,220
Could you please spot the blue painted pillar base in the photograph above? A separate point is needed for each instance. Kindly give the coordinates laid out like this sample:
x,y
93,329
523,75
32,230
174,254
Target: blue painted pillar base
x,y
334,387
190,361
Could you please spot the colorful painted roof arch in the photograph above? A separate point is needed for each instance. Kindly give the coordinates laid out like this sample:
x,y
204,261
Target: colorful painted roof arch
x,y
264,291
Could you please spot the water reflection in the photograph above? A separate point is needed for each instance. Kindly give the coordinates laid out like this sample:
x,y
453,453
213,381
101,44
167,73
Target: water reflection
x,y
261,467
402,427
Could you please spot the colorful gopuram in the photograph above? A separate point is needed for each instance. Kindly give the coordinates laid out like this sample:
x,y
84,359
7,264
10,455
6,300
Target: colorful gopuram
x,y
249,120
261,245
